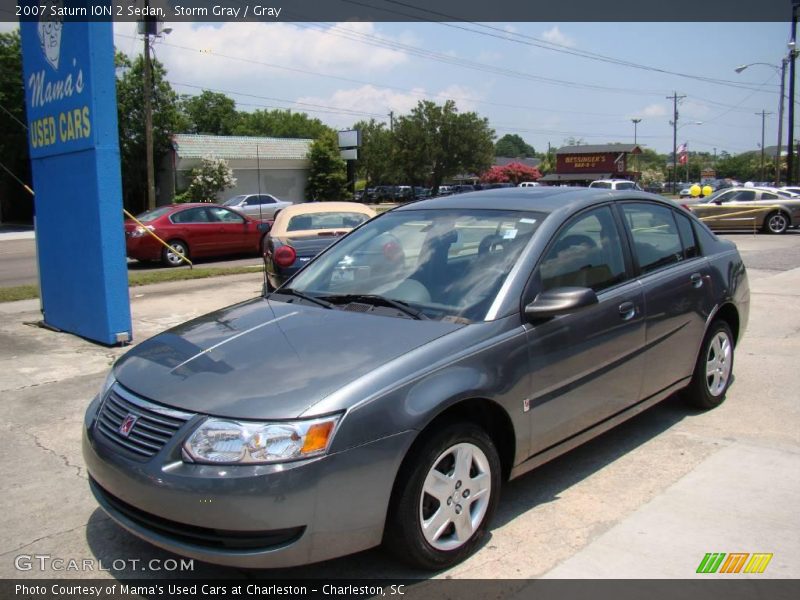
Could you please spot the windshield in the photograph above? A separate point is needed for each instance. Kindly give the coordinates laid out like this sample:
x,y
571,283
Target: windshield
x,y
443,263
234,201
152,215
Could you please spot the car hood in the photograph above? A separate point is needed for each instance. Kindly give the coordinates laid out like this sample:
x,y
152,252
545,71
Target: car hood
x,y
264,359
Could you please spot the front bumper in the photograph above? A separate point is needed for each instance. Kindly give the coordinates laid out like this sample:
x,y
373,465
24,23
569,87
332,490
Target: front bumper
x,y
267,516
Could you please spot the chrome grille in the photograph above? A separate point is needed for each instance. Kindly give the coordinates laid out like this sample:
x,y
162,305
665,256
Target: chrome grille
x,y
154,426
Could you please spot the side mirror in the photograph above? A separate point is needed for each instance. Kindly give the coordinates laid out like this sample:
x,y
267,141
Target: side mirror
x,y
264,227
559,301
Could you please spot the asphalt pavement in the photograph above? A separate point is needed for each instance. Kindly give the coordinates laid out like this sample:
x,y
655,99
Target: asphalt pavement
x,y
646,500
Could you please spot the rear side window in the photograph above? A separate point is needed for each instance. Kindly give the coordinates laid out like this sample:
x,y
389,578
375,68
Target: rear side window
x,y
686,232
626,186
656,241
587,253
193,215
600,184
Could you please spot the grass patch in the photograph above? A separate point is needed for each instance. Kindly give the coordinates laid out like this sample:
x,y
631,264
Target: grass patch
x,y
19,292
183,273
28,292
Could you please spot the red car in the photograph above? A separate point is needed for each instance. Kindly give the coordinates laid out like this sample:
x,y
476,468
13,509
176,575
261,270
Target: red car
x,y
194,230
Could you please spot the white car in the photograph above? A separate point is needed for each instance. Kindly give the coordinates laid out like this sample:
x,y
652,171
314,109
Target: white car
x,y
257,206
615,184
529,184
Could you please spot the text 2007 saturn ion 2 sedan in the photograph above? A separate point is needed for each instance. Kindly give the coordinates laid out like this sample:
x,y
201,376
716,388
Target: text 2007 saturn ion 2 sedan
x,y
385,391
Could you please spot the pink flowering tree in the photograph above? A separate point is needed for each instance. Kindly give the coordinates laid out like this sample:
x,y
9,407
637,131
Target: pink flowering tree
x,y
511,173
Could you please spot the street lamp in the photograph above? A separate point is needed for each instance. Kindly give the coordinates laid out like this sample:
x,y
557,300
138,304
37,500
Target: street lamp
x,y
636,156
782,70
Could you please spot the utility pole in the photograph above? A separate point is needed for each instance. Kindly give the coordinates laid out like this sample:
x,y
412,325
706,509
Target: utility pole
x,y
784,62
148,115
674,124
792,56
763,115
391,120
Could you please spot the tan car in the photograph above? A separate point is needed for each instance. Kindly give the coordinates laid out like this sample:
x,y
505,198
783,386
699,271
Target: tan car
x,y
748,208
302,231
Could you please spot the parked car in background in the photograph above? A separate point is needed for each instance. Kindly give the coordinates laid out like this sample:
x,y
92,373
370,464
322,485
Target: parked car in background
x,y
193,230
462,188
748,208
302,231
385,394
791,189
615,184
257,206
529,184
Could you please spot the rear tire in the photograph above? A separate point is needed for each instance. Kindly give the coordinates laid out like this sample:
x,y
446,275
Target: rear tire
x,y
444,497
776,222
713,372
171,259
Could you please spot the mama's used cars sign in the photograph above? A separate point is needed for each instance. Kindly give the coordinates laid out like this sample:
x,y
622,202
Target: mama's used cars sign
x,y
70,97
57,89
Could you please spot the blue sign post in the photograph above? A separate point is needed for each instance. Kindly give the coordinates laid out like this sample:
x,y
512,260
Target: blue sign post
x,y
71,105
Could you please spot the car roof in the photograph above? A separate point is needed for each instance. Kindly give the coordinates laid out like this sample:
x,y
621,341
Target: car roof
x,y
539,199
283,217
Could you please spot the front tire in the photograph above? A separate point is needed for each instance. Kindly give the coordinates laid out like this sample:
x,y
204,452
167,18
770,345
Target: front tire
x,y
170,258
713,372
445,496
776,222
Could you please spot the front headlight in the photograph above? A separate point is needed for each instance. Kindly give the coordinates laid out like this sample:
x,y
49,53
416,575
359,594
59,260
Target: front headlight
x,y
225,441
107,383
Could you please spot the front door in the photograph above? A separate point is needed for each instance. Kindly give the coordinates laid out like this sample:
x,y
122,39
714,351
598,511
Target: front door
x,y
585,366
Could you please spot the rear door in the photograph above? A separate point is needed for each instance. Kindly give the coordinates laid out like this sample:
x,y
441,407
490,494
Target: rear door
x,y
585,366
676,283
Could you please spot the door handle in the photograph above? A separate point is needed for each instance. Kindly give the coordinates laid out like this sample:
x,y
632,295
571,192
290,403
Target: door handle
x,y
627,310
697,280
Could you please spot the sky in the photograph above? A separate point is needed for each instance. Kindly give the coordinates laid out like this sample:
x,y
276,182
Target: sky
x,y
547,82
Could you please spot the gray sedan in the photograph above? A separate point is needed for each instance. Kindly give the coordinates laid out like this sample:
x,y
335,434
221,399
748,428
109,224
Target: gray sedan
x,y
257,206
384,393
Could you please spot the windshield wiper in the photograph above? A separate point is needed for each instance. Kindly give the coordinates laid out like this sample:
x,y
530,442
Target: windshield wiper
x,y
376,299
302,296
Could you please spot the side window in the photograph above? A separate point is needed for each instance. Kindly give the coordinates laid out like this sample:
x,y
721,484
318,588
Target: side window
x,y
656,241
193,215
253,201
686,232
726,197
225,216
265,199
745,196
768,196
587,253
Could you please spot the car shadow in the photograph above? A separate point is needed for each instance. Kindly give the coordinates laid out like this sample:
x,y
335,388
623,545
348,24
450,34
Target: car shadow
x,y
109,542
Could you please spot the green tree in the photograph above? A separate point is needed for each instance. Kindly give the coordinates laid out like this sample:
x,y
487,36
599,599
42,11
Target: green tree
x,y
327,176
167,119
435,142
211,113
513,146
15,202
376,161
279,123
